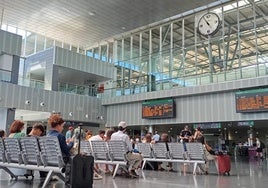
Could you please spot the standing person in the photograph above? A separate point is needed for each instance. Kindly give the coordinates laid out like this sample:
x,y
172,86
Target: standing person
x,y
15,130
134,159
185,134
2,133
199,137
77,134
259,153
156,137
57,123
69,133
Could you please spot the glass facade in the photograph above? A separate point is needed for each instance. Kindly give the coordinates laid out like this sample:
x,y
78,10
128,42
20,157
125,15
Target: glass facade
x,y
174,54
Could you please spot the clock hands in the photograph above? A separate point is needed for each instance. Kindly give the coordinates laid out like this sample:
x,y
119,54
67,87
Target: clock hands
x,y
207,22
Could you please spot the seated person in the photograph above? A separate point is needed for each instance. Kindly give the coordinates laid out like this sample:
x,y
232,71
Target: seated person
x,y
165,166
38,130
134,159
57,123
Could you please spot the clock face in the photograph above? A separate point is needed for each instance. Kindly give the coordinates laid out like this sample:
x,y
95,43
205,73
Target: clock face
x,y
208,24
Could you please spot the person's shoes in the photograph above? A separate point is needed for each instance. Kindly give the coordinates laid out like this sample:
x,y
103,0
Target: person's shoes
x,y
97,176
133,174
108,172
54,178
99,171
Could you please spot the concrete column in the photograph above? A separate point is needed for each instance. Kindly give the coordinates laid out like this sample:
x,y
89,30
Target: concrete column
x,y
7,116
55,78
15,69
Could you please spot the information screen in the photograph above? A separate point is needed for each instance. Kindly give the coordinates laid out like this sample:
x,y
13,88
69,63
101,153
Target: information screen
x,y
164,108
208,125
252,100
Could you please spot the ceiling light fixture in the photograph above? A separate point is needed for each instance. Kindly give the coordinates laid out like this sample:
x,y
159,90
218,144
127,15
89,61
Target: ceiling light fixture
x,y
91,13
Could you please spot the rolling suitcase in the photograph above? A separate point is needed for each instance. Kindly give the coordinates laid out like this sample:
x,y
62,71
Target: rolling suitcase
x,y
79,171
224,164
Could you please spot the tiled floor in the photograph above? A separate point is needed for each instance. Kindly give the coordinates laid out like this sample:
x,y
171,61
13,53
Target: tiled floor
x,y
244,174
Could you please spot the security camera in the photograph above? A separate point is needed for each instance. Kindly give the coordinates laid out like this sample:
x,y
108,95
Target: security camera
x,y
42,104
27,102
70,114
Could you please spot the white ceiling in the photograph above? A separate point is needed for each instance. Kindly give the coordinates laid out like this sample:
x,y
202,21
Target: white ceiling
x,y
85,22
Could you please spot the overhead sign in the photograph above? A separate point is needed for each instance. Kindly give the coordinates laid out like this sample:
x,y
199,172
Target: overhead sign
x,y
252,100
246,123
163,108
208,125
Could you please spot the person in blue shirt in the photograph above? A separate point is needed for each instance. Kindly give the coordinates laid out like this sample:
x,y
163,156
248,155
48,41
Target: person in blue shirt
x,y
69,133
57,125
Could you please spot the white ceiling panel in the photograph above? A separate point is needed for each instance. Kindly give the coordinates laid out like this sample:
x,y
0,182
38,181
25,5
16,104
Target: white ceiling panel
x,y
84,22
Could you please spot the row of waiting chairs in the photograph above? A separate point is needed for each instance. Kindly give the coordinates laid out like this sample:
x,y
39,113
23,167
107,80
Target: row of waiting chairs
x,y
194,153
31,153
112,152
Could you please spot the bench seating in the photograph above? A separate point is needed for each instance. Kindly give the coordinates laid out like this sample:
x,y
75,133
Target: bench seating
x,y
158,152
112,152
42,154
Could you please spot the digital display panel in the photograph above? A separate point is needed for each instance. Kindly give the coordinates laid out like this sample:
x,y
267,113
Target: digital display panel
x,y
162,108
208,125
252,101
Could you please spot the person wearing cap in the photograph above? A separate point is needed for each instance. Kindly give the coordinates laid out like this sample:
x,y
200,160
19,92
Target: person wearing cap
x,y
134,159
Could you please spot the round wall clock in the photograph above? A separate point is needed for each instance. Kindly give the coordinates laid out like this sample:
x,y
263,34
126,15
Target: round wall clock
x,y
209,24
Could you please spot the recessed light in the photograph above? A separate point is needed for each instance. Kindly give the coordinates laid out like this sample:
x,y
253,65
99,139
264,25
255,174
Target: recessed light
x,y
91,13
123,28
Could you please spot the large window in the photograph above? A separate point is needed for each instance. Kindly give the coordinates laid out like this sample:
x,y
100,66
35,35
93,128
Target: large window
x,y
175,54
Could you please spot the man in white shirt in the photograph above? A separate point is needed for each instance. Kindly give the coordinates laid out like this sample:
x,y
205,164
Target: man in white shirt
x,y
134,159
156,137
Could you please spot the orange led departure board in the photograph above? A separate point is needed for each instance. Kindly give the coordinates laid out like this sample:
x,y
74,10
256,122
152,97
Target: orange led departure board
x,y
164,108
252,100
